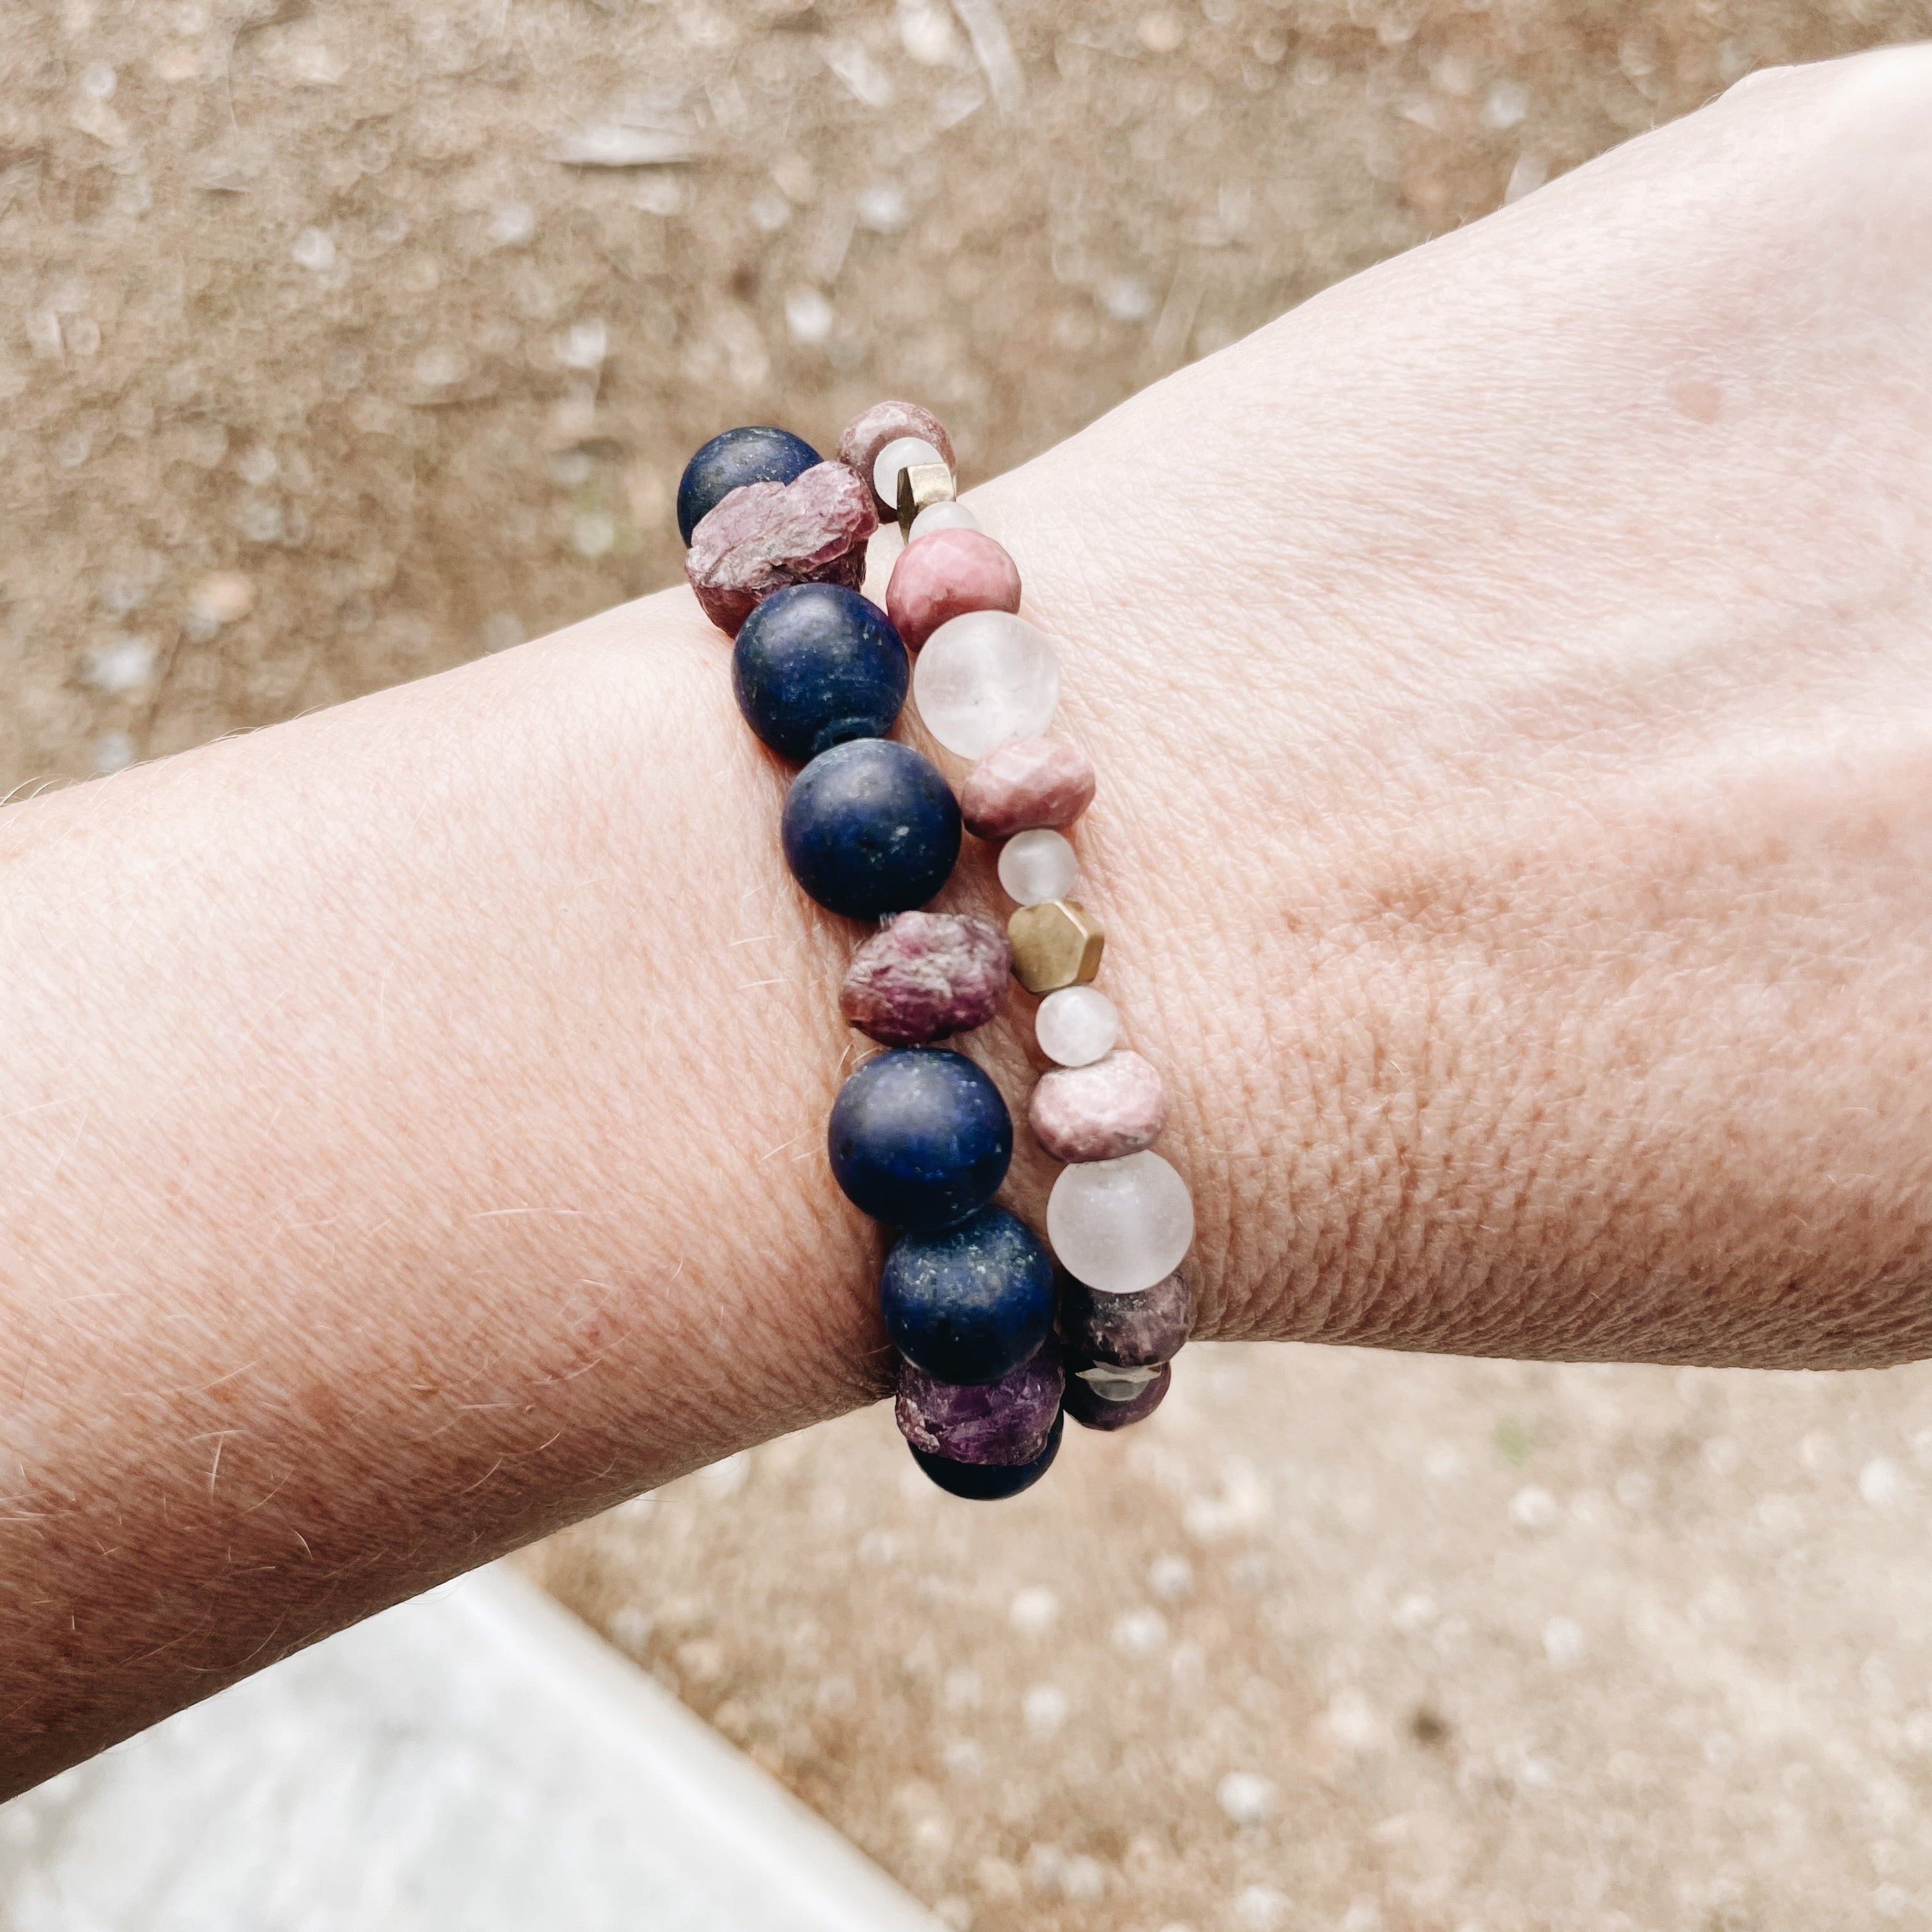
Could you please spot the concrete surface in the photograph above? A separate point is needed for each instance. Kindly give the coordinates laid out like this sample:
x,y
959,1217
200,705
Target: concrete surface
x,y
472,1762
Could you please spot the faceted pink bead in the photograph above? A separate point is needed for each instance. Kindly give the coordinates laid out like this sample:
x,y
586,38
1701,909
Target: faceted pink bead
x,y
926,976
1024,784
1115,1107
766,536
1005,1422
945,575
867,434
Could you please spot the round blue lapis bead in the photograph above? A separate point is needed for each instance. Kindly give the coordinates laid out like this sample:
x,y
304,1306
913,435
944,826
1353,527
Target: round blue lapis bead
x,y
919,1139
816,664
870,827
970,1304
756,455
991,1482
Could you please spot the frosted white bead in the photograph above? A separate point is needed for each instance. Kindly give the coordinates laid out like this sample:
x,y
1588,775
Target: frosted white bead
x,y
948,515
1119,1225
1036,866
1113,1385
1076,1026
983,678
901,453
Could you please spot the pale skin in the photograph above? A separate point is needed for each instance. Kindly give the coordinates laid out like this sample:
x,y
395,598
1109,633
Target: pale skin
x,y
1511,678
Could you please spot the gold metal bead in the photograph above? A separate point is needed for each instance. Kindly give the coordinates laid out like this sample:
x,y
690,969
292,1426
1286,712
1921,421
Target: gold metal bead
x,y
921,483
1055,944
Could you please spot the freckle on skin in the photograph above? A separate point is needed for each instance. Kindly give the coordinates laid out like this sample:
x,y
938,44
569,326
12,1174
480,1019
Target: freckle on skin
x,y
1698,398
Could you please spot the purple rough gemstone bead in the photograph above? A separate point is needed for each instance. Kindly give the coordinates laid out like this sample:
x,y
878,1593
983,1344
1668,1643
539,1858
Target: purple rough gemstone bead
x,y
1113,1107
1130,1331
1092,1410
926,976
1006,1422
764,536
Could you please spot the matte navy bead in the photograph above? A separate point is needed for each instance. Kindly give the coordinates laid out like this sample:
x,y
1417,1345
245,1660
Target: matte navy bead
x,y
920,1139
971,1304
815,664
870,827
991,1482
756,455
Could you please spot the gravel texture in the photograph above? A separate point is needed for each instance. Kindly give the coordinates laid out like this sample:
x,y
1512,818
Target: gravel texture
x,y
1339,1640
344,341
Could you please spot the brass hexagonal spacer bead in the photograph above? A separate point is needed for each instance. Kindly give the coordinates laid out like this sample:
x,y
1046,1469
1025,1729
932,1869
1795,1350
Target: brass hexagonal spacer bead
x,y
1055,944
921,483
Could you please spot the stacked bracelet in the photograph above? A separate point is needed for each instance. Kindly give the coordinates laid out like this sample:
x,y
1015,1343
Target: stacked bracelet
x,y
997,1345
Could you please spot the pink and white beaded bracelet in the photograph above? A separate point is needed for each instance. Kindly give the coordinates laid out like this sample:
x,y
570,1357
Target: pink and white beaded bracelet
x,y
996,1343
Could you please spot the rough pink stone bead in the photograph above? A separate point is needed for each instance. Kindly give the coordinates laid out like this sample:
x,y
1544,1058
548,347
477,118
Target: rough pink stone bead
x,y
1024,784
1116,1106
1006,1422
766,536
1094,1411
946,574
1132,1331
871,429
927,975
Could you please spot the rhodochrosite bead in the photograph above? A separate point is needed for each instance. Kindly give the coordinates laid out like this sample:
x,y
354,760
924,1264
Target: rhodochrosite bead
x,y
925,975
1024,784
766,536
990,1482
971,1303
867,434
984,678
870,827
1116,1106
815,664
1005,1421
1119,1225
1089,1406
920,1139
943,576
1131,1331
758,454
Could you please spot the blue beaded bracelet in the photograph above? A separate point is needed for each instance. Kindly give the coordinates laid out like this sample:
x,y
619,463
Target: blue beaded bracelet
x,y
996,1344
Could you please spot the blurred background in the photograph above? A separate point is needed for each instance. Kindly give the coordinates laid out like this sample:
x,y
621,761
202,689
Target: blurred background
x,y
341,343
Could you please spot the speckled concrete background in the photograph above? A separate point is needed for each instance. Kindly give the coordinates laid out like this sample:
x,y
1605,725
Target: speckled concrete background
x,y
339,342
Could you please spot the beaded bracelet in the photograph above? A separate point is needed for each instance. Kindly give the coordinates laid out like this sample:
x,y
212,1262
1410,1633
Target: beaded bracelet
x,y
997,1345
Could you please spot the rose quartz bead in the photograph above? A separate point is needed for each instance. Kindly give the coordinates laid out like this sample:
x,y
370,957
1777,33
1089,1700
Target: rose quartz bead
x,y
1024,784
927,975
766,536
1119,1225
945,515
867,434
1115,1107
945,574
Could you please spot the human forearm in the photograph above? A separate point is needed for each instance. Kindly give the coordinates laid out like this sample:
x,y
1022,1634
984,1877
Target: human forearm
x,y
1509,690
413,1143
